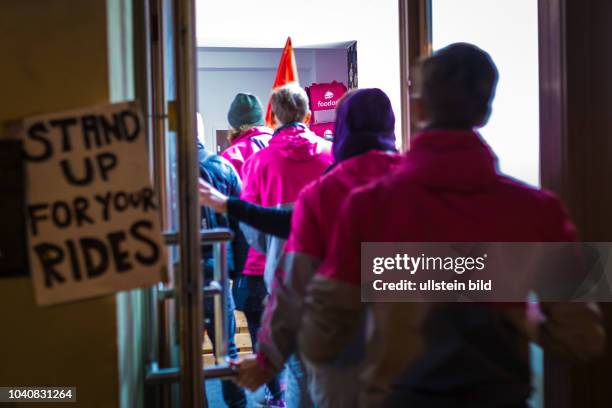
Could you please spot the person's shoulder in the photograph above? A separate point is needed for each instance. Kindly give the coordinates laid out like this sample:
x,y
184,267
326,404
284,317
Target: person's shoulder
x,y
520,190
263,131
322,144
543,207
220,165
258,156
231,150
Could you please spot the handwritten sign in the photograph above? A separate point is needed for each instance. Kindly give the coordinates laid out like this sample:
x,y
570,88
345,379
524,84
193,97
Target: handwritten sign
x,y
92,217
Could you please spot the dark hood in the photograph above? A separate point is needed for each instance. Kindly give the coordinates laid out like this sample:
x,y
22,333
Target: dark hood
x,y
364,121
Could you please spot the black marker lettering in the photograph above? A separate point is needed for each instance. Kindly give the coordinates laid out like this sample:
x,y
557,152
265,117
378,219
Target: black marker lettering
x,y
74,260
81,205
89,247
90,128
136,232
106,162
61,215
85,179
135,199
38,132
35,217
111,130
148,200
50,256
120,257
126,117
105,203
121,201
64,124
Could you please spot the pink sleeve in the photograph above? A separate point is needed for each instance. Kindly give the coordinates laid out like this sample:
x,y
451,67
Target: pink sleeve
x,y
305,236
344,259
560,228
332,308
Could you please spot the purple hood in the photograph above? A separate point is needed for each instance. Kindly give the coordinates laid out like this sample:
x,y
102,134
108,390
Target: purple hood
x,y
364,122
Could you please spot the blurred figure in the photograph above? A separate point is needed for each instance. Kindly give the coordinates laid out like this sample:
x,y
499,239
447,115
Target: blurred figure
x,y
219,172
447,189
364,150
274,177
248,134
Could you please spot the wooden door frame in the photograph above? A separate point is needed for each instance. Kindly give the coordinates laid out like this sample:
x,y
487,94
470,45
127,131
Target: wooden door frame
x,y
415,43
573,130
575,39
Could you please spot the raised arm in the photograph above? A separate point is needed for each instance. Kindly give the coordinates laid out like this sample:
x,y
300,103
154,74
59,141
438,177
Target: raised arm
x,y
273,221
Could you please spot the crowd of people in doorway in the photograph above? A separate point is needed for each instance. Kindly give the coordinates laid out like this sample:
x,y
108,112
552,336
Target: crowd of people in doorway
x,y
301,206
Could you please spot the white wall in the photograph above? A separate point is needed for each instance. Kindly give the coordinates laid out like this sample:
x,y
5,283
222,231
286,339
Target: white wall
x,y
373,24
508,30
223,72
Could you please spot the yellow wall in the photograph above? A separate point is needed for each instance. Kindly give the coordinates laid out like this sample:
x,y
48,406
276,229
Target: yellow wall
x,y
53,56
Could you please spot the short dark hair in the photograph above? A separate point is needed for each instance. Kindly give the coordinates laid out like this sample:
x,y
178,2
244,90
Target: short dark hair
x,y
457,85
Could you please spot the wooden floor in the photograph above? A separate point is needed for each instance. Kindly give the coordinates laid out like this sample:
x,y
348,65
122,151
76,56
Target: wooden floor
x,y
242,339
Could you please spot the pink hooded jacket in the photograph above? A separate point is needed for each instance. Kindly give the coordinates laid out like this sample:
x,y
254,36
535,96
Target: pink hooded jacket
x,y
447,189
245,145
313,218
275,176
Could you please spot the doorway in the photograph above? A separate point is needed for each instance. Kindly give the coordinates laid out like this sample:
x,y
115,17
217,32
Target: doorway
x,y
508,31
317,26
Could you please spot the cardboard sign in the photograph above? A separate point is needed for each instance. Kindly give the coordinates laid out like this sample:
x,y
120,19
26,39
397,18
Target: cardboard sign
x,y
92,218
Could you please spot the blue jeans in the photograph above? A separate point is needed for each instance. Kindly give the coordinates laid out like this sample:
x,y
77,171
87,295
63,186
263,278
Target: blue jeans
x,y
251,290
297,395
233,395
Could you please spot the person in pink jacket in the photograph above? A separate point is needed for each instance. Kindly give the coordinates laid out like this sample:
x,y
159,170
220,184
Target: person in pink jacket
x,y
273,177
447,189
248,134
364,150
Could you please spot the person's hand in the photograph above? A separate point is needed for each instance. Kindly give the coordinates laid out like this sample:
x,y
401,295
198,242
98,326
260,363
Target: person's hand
x,y
211,197
251,374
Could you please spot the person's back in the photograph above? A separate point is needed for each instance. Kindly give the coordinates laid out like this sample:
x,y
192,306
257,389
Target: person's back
x,y
219,173
274,176
295,156
246,144
467,201
320,202
447,189
364,150
248,135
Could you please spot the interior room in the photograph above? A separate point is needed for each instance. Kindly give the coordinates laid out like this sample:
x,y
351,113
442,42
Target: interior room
x,y
199,199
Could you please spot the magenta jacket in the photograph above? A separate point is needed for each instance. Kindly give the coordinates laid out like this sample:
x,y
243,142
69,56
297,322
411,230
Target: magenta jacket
x,y
275,176
245,145
314,215
447,189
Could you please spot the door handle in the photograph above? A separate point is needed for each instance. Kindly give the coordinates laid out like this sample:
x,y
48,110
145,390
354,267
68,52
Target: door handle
x,y
218,288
